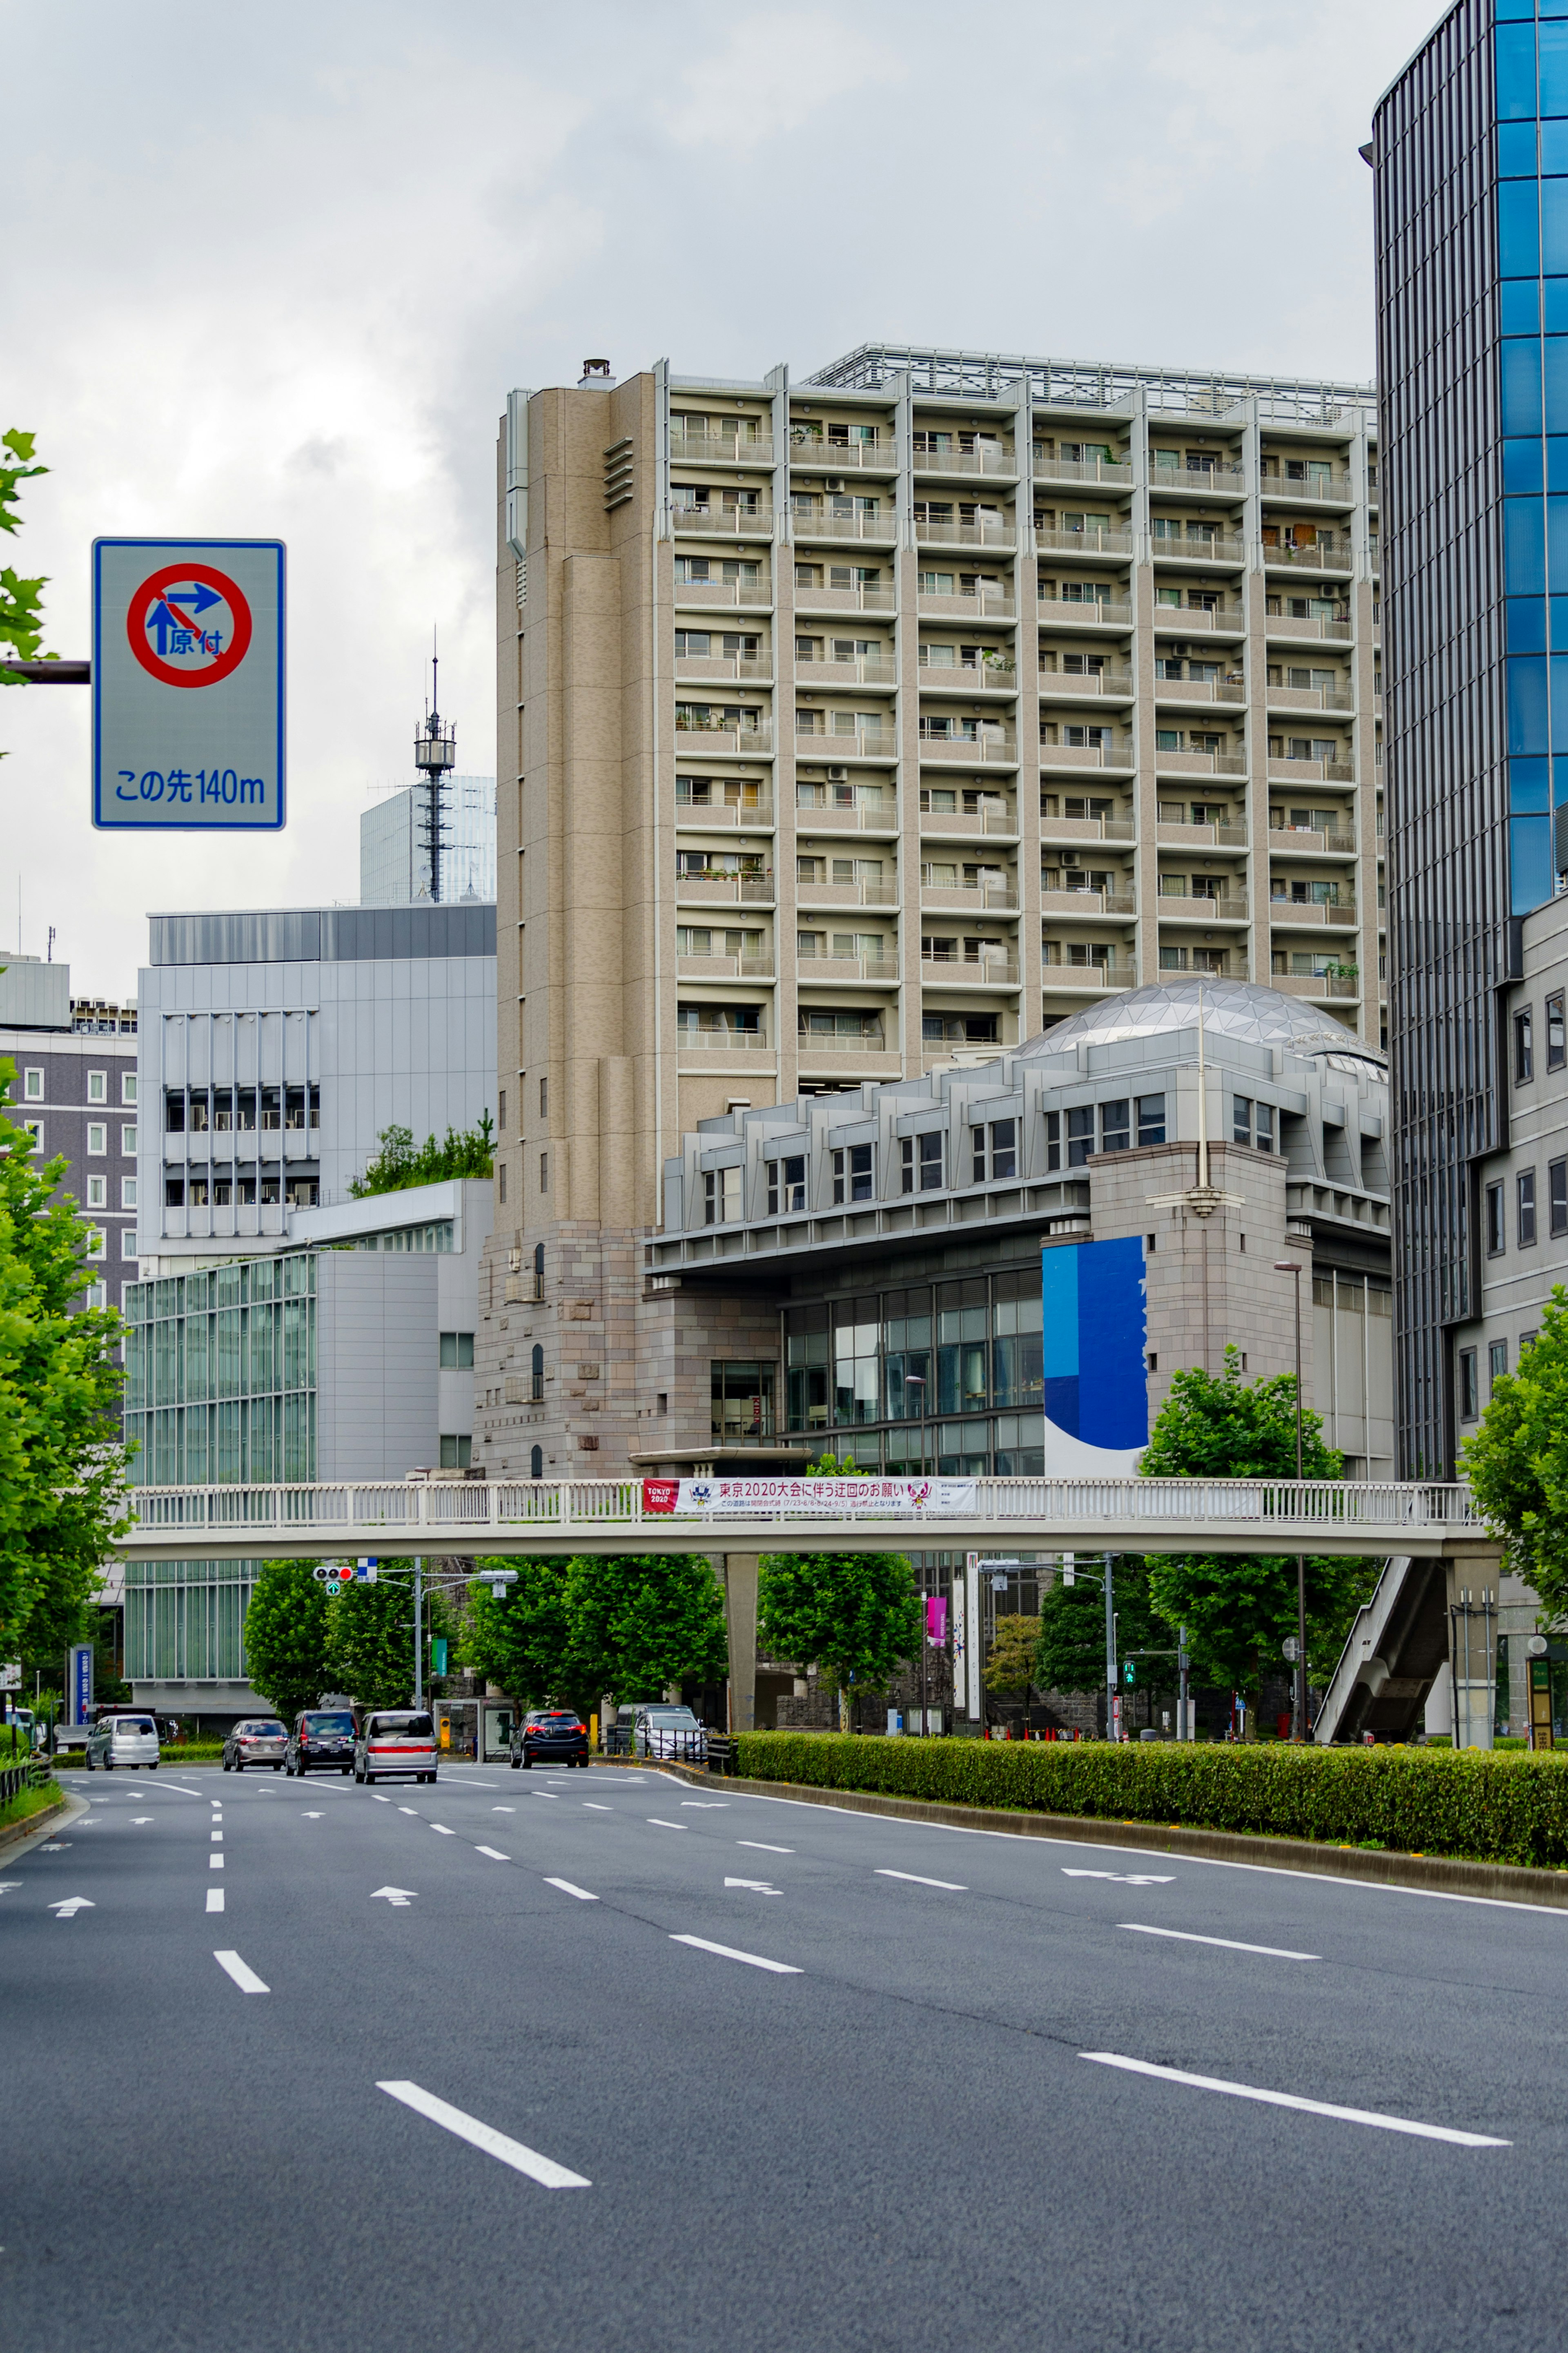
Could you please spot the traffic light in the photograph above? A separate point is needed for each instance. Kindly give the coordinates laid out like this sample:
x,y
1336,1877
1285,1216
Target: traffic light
x,y
1129,1673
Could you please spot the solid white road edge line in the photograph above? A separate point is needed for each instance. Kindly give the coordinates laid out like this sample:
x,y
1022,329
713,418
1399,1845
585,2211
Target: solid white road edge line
x,y
244,1977
1293,2100
543,2169
1231,1943
214,1899
728,1953
915,1877
567,1889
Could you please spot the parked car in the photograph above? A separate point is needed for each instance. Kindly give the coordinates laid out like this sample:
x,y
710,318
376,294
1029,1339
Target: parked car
x,y
260,1740
322,1741
126,1740
671,1732
396,1742
549,1735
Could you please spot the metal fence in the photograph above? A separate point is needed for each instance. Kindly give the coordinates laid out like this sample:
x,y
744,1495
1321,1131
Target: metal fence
x,y
15,1779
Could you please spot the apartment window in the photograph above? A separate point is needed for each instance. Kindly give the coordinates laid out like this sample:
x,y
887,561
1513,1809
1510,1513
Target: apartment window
x,y
544,1172
1470,1404
1115,1130
852,1173
97,1192
1264,1137
500,1172
248,1192
127,1086
457,1451
1556,1038
1525,1186
97,1242
721,1191
1496,1238
1080,1136
1053,1139
1523,1046
1241,1119
994,1151
536,1374
33,1086
174,1113
920,1159
456,1352
128,1192
271,1192
127,1242
544,1099
1497,1364
97,1086
538,1270
1151,1119
500,1108
1557,1197
786,1185
128,1142
35,1128
97,1138
536,1463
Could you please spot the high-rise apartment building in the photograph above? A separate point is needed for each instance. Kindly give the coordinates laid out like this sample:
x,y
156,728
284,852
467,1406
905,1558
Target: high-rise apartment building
x,y
864,727
74,1088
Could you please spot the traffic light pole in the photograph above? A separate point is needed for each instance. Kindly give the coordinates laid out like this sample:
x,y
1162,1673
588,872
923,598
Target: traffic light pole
x,y
418,1635
1112,1675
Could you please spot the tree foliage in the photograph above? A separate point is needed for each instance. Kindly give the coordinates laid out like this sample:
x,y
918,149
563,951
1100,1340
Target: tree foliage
x,y
400,1163
63,1493
21,600
1516,1463
370,1640
639,1623
854,1616
1011,1664
287,1630
1070,1654
1239,1608
521,1636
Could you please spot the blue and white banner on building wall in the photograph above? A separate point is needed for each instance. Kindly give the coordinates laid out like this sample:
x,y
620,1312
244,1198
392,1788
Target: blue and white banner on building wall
x,y
1095,1364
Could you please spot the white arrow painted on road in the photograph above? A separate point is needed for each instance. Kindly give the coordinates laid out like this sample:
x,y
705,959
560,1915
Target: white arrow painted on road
x,y
1124,1878
137,1819
7,1887
72,1905
398,1896
757,1887
311,1818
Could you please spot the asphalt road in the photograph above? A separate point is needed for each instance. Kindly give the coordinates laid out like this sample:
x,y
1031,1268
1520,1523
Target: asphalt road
x,y
582,2060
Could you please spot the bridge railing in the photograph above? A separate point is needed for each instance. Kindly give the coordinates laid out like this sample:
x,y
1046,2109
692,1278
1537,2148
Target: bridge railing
x,y
457,1512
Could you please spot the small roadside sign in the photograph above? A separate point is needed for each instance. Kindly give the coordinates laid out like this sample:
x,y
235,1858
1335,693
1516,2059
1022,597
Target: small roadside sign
x,y
189,685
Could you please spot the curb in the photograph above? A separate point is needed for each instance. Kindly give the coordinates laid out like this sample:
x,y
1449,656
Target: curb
x,y
19,1838
1443,1874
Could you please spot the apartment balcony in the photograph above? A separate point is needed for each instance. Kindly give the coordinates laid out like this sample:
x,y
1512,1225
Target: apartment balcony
x,y
1087,904
822,971
722,1041
724,890
1059,980
1308,772
699,817
806,448
1200,764
1307,624
1187,907
1318,988
1316,558
1307,840
1310,698
995,745
1220,548
1086,755
1333,490
990,676
966,604
994,465
724,967
717,449
1231,689
1287,914
819,818
722,522
814,1044
865,669
812,522
759,668
706,739
845,599
709,592
1071,685
1049,539
846,895
1060,613
968,825
1087,828
838,748
1170,836
1220,481
967,898
1228,618
999,536
968,972
1110,470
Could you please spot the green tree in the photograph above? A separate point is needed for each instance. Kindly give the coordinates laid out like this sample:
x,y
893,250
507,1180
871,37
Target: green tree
x,y
853,1615
63,1491
1010,1667
638,1623
400,1163
1239,1608
521,1636
21,600
287,1637
1516,1463
370,1641
1071,1654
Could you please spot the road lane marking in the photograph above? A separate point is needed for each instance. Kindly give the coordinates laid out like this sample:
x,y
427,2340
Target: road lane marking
x,y
216,1837
567,1889
950,1884
757,1887
728,1953
214,1899
384,1801
407,1810
1231,1943
137,1819
1293,2100
1124,1878
594,1809
707,1805
215,1863
71,1907
245,1977
503,1809
9,1887
311,1818
761,1846
441,1828
494,1853
543,2169
54,1846
668,1826
397,1896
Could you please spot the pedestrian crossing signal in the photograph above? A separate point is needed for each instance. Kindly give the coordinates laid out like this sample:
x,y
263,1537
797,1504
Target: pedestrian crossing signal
x,y
1129,1673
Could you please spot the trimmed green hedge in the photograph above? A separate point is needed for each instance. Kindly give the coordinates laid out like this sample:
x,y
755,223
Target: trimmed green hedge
x,y
1485,1808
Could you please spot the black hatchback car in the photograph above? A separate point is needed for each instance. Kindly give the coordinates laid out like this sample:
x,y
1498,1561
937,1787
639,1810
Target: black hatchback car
x,y
549,1735
322,1741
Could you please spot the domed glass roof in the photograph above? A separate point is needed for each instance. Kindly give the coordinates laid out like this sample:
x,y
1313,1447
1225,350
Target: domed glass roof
x,y
1231,1008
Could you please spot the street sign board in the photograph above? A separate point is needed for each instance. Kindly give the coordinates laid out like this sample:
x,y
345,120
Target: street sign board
x,y
189,685
81,1686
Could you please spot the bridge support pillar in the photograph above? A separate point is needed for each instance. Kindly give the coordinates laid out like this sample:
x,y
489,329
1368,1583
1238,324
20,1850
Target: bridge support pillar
x,y
1474,1574
741,1613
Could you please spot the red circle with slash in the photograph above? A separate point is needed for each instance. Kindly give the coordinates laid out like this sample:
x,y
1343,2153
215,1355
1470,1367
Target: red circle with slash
x,y
162,594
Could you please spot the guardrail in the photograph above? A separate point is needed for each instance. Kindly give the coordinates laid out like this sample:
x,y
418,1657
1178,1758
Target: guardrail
x,y
15,1779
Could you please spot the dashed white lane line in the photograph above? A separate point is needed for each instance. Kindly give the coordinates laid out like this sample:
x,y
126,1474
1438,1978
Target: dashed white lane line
x,y
668,1826
1125,1878
952,1886
593,1809
567,1889
384,1801
1231,1943
214,1899
215,1863
729,1953
407,1810
216,1837
1293,2100
442,1829
503,1809
494,1853
543,2169
706,1805
244,1977
760,1846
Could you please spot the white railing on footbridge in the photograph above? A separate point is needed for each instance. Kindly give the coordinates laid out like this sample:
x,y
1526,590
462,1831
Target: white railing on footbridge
x,y
1041,1515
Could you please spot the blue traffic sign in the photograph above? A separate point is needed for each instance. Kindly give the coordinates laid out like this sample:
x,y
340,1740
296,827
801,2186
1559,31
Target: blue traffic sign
x,y
188,639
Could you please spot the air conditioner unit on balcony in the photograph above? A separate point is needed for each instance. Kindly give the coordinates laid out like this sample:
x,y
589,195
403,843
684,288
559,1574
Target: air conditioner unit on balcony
x,y
838,776
1070,858
835,481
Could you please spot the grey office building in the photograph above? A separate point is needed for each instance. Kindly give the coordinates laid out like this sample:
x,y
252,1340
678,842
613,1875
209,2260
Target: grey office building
x,y
394,851
76,1089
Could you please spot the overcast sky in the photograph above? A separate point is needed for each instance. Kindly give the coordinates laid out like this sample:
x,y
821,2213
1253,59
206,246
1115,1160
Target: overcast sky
x,y
271,271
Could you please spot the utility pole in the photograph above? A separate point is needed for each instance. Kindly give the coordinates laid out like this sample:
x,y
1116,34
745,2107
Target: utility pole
x,y
1184,1680
1292,1267
1112,1684
418,1635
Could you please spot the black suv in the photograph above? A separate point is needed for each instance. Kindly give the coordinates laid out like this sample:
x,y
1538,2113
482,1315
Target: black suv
x,y
549,1735
322,1741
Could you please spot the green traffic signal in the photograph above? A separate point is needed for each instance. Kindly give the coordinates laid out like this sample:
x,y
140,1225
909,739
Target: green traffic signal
x,y
1129,1673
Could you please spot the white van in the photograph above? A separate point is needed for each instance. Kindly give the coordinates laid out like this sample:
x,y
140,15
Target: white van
x,y
128,1740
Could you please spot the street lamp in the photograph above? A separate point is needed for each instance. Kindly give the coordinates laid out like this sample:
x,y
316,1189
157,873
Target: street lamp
x,y
1292,1267
916,1381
